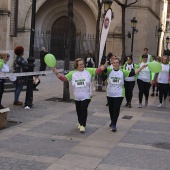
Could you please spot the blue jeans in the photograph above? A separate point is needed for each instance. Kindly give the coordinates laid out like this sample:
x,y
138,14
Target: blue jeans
x,y
17,92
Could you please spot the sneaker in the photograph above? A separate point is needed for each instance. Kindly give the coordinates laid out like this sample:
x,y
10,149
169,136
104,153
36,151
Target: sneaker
x,y
140,105
79,126
82,129
18,103
152,94
156,94
146,102
160,105
2,107
113,128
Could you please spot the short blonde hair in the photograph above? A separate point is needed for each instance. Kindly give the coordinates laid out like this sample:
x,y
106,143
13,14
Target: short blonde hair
x,y
76,62
3,54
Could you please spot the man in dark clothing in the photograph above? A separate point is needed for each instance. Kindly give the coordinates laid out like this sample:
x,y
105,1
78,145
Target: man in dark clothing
x,y
43,52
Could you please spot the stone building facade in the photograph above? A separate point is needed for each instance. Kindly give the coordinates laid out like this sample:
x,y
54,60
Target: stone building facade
x,y
51,19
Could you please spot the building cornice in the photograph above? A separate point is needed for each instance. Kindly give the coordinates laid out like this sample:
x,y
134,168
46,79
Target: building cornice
x,y
145,8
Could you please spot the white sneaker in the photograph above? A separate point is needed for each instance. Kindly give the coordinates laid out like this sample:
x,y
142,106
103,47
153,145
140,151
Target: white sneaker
x,y
79,126
160,105
82,129
140,105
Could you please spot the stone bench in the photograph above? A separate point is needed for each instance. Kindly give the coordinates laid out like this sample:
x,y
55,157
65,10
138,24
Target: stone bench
x,y
3,117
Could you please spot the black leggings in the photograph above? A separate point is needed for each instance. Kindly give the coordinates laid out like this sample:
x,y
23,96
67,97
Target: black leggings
x,y
1,89
81,109
143,89
153,88
163,91
114,108
129,85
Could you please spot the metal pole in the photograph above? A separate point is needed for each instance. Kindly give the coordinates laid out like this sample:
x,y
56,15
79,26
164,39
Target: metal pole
x,y
158,47
32,35
30,65
132,42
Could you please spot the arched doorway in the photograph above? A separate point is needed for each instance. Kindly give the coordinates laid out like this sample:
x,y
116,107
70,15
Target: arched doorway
x,y
58,38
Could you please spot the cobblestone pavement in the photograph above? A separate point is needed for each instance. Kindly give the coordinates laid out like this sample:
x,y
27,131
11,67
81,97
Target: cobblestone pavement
x,y
48,139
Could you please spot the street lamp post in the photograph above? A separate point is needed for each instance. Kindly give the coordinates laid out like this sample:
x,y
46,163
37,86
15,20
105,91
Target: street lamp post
x,y
133,26
167,42
30,65
159,35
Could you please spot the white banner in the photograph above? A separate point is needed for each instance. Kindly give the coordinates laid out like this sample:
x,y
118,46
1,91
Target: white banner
x,y
105,30
4,75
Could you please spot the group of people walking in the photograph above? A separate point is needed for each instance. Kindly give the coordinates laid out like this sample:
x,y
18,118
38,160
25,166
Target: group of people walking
x,y
120,83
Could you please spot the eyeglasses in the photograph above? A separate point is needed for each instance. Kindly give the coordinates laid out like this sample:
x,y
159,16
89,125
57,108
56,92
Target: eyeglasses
x,y
8,56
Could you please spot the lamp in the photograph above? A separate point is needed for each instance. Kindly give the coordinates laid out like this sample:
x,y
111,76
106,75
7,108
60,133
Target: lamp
x,y
107,4
133,22
167,40
159,31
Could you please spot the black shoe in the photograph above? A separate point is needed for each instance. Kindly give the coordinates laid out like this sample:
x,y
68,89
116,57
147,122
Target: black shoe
x,y
35,89
156,94
43,75
126,105
152,94
113,128
107,104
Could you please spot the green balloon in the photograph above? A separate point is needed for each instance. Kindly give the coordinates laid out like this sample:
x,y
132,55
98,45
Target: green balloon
x,y
155,66
1,63
50,60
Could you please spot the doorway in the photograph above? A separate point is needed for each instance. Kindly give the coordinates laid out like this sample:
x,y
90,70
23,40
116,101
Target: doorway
x,y
59,36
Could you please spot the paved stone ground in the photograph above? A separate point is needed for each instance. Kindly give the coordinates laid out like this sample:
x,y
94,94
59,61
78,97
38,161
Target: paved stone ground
x,y
48,139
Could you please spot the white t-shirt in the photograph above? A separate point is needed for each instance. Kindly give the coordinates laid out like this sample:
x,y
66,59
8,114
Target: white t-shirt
x,y
81,82
144,74
5,68
115,87
163,76
130,67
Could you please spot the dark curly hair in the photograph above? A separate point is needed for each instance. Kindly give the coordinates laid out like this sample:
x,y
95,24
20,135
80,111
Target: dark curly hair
x,y
19,50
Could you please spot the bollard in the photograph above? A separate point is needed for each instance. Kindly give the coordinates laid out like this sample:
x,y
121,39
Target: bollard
x,y
3,117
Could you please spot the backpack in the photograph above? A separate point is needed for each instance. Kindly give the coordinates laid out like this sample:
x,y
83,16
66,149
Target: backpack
x,y
89,63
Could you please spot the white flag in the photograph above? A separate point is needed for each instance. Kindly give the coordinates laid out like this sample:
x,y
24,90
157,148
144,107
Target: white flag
x,y
105,30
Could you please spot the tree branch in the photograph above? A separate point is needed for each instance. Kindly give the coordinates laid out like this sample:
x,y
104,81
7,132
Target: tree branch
x,y
132,3
118,2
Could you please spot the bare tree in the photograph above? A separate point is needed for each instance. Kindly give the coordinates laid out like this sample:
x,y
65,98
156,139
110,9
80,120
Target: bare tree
x,y
124,6
66,91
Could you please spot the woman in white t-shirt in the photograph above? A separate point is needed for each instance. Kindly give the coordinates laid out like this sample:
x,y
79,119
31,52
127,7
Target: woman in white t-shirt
x,y
143,81
81,83
129,81
115,89
5,68
163,81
